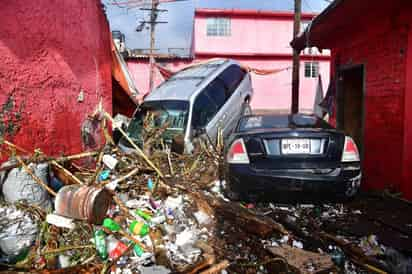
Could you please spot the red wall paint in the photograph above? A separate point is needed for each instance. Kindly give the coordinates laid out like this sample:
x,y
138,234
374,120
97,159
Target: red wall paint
x,y
51,51
406,184
383,52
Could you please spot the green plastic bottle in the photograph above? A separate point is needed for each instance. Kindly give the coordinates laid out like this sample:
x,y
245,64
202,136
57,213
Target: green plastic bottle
x,y
111,225
138,250
100,243
139,228
146,216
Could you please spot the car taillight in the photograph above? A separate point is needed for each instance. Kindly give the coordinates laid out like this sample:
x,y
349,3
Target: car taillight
x,y
237,153
350,151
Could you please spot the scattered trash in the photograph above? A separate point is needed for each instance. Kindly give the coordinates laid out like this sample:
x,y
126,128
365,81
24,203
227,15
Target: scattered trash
x,y
370,246
303,261
202,218
115,248
337,255
104,175
397,262
18,231
139,228
110,161
297,244
56,184
20,186
83,203
100,243
150,185
154,269
166,213
60,221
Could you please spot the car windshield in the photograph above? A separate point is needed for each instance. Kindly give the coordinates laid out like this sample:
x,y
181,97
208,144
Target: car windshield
x,y
281,121
169,114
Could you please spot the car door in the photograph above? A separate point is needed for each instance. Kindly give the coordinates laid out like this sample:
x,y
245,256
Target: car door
x,y
232,109
204,115
217,92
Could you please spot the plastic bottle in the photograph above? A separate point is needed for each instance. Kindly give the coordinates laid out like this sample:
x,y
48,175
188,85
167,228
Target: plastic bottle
x,y
138,251
139,228
158,220
100,243
146,216
150,185
115,248
104,175
111,225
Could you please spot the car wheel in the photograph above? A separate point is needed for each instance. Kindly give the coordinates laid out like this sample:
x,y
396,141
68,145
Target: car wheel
x,y
247,110
229,193
352,187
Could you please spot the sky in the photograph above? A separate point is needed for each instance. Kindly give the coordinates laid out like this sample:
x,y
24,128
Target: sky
x,y
177,32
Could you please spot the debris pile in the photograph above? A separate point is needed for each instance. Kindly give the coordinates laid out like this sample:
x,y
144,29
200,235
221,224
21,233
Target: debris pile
x,y
157,211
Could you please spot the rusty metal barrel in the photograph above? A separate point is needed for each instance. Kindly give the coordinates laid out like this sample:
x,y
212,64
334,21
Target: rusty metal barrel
x,y
86,203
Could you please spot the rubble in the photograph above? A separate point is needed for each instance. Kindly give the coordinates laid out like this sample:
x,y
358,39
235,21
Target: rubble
x,y
165,213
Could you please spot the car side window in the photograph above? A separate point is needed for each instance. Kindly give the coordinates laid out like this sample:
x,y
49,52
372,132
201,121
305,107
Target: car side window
x,y
217,92
231,77
204,109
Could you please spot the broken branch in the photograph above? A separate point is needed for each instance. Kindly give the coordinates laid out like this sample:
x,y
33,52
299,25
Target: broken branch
x,y
37,179
139,151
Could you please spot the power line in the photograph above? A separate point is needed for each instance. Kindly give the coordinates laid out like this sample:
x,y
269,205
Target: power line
x,y
152,6
309,6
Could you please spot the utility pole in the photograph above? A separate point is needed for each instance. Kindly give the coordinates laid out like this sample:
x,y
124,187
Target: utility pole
x,y
153,17
296,59
154,11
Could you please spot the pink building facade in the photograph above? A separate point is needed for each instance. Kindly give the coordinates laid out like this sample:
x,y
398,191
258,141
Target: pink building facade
x,y
258,39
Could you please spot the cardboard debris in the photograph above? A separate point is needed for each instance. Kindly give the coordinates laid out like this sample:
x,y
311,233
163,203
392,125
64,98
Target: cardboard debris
x,y
304,262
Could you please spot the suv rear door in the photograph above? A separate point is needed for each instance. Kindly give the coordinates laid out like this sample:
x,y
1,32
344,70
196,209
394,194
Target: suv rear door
x,y
219,105
233,78
204,114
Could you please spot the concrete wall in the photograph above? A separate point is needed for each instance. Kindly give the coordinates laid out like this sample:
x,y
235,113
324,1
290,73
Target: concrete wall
x,y
52,53
248,35
261,40
274,91
140,71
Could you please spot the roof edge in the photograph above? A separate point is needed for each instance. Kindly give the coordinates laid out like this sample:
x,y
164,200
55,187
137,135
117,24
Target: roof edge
x,y
251,13
299,42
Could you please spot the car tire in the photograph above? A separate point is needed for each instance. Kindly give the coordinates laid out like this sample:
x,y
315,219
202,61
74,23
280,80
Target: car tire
x,y
352,187
246,109
229,193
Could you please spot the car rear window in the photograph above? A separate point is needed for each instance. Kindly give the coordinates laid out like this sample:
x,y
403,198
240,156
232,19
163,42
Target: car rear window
x,y
281,121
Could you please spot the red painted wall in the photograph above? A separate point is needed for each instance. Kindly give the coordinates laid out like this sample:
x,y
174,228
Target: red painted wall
x,y
382,48
52,52
406,183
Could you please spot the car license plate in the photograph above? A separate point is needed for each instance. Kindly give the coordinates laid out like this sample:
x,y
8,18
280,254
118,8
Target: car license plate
x,y
295,146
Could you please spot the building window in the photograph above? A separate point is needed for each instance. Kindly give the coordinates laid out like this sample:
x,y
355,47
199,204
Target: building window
x,y
311,69
218,26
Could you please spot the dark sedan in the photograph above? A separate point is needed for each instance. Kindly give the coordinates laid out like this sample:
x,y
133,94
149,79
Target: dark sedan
x,y
284,157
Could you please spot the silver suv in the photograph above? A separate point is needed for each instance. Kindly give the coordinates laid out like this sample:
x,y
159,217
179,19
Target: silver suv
x,y
196,100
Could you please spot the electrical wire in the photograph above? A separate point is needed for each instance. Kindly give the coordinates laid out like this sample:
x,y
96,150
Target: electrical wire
x,y
309,6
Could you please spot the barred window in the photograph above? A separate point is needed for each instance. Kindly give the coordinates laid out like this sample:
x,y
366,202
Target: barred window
x,y
217,26
311,69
